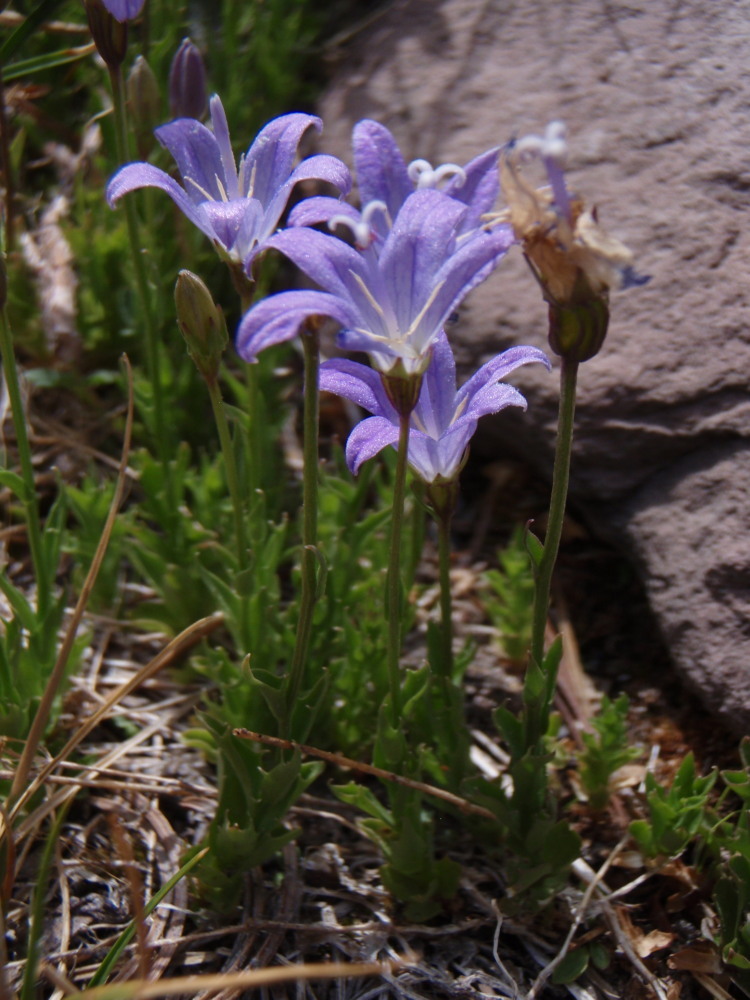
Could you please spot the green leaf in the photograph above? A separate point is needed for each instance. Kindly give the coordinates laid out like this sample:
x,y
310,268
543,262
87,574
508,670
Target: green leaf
x,y
14,482
571,967
534,547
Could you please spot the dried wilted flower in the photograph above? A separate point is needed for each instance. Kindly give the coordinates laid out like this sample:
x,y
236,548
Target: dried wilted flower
x,y
574,260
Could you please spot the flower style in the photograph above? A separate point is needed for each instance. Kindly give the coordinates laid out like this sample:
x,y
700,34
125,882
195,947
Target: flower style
x,y
385,181
444,419
392,304
574,260
237,209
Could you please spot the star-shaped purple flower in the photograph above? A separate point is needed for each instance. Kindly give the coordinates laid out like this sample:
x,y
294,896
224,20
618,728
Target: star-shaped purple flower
x,y
444,419
392,303
238,209
385,179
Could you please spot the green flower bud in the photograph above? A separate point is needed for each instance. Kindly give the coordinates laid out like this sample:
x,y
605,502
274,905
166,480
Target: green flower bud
x,y
201,323
577,332
144,99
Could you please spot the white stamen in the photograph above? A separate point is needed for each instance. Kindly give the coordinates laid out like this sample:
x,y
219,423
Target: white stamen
x,y
423,175
222,191
196,185
420,315
368,294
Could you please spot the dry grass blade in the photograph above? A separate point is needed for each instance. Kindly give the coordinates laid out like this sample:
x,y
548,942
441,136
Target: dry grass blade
x,y
377,772
138,989
41,717
175,648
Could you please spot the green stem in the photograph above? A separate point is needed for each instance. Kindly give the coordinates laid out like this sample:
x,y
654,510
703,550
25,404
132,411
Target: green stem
x,y
560,476
141,280
446,605
230,465
311,350
31,509
393,582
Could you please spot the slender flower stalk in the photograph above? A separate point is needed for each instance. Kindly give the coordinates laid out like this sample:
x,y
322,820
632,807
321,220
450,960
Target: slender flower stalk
x,y
393,580
31,509
311,349
560,477
446,604
141,282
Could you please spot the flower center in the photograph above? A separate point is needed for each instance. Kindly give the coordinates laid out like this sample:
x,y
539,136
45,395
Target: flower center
x,y
423,175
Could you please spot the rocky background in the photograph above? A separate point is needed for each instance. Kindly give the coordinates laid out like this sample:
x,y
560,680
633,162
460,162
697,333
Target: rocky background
x,y
656,98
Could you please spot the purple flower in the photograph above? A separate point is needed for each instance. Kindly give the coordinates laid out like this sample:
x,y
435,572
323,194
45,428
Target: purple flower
x,y
124,10
393,303
238,209
384,179
444,419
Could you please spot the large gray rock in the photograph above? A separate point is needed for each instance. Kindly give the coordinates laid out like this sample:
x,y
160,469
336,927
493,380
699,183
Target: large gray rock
x,y
655,94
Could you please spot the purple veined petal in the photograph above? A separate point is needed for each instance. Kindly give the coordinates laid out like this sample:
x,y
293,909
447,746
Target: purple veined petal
x,y
491,398
279,318
473,261
321,208
423,234
124,10
340,270
358,383
368,438
479,189
382,174
270,160
133,176
196,153
320,168
431,458
498,367
224,147
436,405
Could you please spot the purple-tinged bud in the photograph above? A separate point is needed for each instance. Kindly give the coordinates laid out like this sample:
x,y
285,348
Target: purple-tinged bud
x,y
201,323
124,10
145,105
110,35
188,95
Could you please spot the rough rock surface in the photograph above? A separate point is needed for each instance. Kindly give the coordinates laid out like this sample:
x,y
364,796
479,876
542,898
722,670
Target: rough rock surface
x,y
655,94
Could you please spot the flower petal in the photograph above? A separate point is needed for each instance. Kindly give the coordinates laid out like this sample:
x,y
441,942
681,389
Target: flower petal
x,y
479,190
368,438
224,147
270,160
279,317
313,211
436,405
133,176
124,10
382,174
319,168
198,158
359,383
497,368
